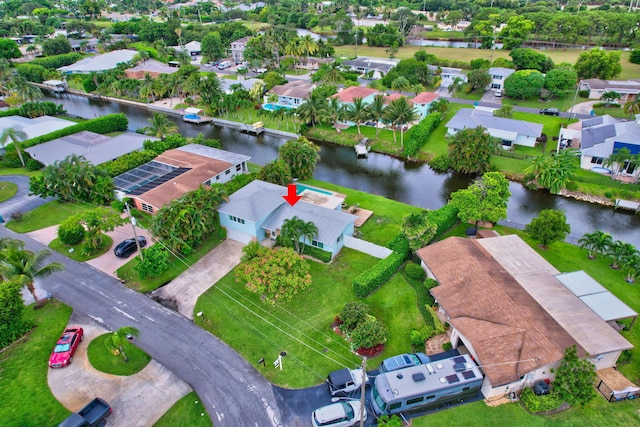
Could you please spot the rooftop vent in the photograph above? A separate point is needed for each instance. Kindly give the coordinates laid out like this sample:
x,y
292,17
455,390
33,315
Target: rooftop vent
x,y
418,376
399,376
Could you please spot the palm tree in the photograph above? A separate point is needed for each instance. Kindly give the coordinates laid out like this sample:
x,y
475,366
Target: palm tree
x,y
293,48
15,135
333,75
632,265
416,88
147,88
455,86
333,111
115,341
160,126
618,159
400,83
400,112
441,106
25,91
358,112
308,45
620,251
595,243
632,107
376,109
310,110
296,231
23,266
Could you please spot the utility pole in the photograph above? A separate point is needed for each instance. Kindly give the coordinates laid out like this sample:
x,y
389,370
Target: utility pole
x,y
133,225
362,387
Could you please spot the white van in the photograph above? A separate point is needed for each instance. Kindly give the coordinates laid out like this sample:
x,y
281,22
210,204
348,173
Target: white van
x,y
224,65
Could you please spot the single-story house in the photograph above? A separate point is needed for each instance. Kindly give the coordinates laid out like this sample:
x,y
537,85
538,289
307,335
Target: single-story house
x,y
447,74
347,95
82,45
92,146
364,64
516,314
292,94
34,127
422,102
98,63
602,136
498,75
628,89
193,48
176,172
152,67
246,84
509,131
310,63
237,49
258,210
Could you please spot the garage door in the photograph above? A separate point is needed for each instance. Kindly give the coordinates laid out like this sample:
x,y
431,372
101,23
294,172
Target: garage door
x,y
238,236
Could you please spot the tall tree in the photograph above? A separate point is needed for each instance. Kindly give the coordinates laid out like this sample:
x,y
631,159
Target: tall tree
x,y
301,155
620,251
618,159
400,112
470,150
574,379
334,111
597,242
479,80
97,221
484,200
599,64
311,109
548,227
554,172
9,49
376,109
358,112
16,136
160,126
296,232
632,107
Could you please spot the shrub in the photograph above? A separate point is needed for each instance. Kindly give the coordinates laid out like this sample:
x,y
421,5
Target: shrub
x,y
156,262
544,403
428,284
12,322
11,159
447,346
17,216
239,181
118,205
414,271
352,314
32,72
71,232
418,134
399,244
390,421
634,57
250,251
33,165
57,61
608,194
89,85
438,326
444,218
378,275
440,163
38,109
369,334
127,162
418,338
583,94
317,253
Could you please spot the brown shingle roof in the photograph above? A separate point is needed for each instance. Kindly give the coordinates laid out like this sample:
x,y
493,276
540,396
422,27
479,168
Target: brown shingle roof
x,y
509,331
295,89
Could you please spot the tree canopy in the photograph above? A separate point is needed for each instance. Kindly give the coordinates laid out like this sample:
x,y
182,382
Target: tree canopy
x,y
574,379
524,84
599,64
548,227
9,49
470,150
528,59
301,155
484,200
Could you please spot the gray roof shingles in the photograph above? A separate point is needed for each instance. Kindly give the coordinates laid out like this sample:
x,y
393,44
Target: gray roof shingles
x,y
472,118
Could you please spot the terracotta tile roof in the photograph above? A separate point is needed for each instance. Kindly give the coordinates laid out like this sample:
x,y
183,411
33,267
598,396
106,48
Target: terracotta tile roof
x,y
350,93
392,97
425,97
509,331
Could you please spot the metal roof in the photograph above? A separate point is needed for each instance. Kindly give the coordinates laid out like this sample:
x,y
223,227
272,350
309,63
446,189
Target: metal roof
x,y
214,153
595,296
107,61
472,118
254,201
34,127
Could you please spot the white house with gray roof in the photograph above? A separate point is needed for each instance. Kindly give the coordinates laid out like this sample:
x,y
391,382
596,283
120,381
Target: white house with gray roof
x,y
509,131
498,76
258,210
98,63
628,89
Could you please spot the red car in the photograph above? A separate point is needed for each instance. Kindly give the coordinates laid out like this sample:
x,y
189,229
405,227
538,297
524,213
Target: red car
x,y
63,352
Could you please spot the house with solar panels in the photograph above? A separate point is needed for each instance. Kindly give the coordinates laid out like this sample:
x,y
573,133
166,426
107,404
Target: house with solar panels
x,y
176,172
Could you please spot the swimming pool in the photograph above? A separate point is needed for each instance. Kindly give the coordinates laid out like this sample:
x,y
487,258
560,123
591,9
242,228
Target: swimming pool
x,y
301,187
273,107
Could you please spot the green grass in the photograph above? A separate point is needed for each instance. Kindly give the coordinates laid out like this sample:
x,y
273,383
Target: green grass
x,y
297,72
263,330
76,254
437,142
49,214
563,104
550,124
386,221
17,171
130,275
104,361
24,392
7,191
187,411
613,112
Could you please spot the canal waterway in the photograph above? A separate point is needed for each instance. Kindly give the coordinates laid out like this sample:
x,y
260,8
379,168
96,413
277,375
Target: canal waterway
x,y
415,184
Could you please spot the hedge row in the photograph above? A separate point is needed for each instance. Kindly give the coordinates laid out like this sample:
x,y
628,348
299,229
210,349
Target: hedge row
x,y
57,61
101,125
418,134
399,244
377,275
317,253
444,218
32,72
127,162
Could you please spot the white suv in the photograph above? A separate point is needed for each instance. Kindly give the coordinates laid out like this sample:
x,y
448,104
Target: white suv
x,y
341,414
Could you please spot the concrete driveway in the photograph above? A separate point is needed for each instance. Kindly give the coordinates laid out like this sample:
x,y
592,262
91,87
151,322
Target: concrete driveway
x,y
187,287
137,400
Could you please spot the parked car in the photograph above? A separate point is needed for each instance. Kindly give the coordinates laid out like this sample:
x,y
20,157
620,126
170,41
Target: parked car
x,y
95,414
403,361
499,93
127,247
341,414
550,112
344,381
62,354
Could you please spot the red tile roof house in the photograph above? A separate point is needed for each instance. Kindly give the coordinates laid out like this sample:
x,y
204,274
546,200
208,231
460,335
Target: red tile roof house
x,y
515,313
175,172
422,102
347,95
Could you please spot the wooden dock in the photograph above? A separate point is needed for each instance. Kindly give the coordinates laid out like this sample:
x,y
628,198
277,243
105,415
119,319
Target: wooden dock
x,y
255,129
362,150
197,120
627,204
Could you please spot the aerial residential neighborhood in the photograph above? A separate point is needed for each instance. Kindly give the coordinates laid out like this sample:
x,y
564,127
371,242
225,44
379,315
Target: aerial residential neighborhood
x,y
328,213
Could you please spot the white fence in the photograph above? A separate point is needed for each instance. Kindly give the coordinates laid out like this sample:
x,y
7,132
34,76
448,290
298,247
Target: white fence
x,y
367,247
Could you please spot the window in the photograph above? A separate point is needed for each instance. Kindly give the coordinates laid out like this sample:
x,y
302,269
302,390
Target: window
x,y
394,406
147,208
317,244
415,400
217,177
340,237
227,172
597,160
236,219
628,167
238,167
207,182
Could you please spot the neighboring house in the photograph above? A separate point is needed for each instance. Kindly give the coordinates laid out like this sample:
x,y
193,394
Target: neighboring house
x,y
460,26
152,67
628,89
347,95
310,63
498,75
34,127
447,74
516,314
193,48
92,146
176,172
237,49
602,136
509,131
82,45
247,84
257,211
119,17
364,64
98,63
422,102
292,94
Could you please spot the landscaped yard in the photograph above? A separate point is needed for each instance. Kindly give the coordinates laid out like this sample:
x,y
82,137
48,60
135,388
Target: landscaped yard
x,y
7,190
49,214
302,327
187,411
76,254
25,395
104,361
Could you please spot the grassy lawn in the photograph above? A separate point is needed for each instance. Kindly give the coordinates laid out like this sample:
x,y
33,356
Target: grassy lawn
x,y
23,371
302,327
386,221
49,214
130,275
7,190
272,121
562,104
105,361
616,112
17,171
76,254
550,124
187,411
437,142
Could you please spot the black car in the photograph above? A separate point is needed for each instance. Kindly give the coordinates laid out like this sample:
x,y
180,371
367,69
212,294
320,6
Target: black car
x,y
127,247
550,112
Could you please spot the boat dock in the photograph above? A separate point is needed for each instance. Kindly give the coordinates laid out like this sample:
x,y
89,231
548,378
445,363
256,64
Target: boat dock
x,y
627,204
362,151
255,129
195,115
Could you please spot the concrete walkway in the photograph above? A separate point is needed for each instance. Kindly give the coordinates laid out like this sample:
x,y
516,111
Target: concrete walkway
x,y
584,107
187,288
137,400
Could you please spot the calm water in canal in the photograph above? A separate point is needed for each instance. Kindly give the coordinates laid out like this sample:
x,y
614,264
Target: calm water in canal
x,y
415,184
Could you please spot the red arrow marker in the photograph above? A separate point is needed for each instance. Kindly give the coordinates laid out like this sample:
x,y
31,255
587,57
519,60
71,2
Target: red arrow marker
x,y
292,197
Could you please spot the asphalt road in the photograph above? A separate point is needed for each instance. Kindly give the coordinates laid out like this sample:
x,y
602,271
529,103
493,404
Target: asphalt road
x,y
233,392
21,201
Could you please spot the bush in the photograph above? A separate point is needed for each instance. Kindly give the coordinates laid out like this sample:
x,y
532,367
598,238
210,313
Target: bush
x,y
440,163
71,232
127,162
544,403
38,109
378,275
352,314
32,72
608,194
583,94
57,61
634,57
428,284
118,205
11,159
369,334
438,327
239,181
418,338
250,251
444,218
418,134
317,253
156,262
447,346
33,165
414,271
16,216
88,85
12,322
399,244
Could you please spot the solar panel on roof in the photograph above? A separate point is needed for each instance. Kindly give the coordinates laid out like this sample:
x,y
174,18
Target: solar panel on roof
x,y
452,379
468,375
458,367
458,359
